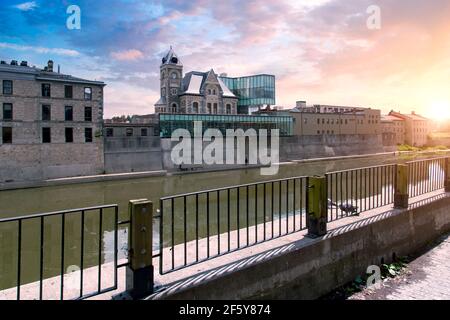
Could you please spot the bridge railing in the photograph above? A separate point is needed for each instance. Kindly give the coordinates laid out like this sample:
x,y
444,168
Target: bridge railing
x,y
198,226
68,244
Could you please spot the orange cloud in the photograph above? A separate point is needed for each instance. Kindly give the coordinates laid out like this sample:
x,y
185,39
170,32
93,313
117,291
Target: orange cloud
x,y
127,55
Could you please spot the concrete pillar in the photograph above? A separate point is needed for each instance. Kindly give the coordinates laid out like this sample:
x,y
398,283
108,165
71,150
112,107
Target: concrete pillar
x,y
139,273
317,206
401,187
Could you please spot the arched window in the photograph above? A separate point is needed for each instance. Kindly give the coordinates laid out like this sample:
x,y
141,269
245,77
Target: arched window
x,y
174,108
195,107
228,108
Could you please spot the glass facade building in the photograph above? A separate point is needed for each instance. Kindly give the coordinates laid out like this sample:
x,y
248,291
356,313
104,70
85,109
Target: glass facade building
x,y
252,91
170,122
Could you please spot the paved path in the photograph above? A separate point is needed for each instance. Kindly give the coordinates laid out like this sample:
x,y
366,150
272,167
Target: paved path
x,y
426,278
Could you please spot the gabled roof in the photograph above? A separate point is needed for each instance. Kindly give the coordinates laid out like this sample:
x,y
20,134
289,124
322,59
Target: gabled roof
x,y
194,83
413,116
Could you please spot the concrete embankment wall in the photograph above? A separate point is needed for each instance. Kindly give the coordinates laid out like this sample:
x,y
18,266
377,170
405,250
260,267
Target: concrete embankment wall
x,y
132,154
305,147
308,269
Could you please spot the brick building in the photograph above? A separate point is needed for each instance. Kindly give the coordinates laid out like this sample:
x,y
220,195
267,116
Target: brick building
x,y
50,123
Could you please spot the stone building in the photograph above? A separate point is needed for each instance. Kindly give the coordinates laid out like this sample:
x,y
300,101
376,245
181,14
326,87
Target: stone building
x,y
335,120
393,130
417,128
50,124
195,93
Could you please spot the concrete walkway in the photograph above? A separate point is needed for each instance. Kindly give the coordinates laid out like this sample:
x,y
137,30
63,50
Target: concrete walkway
x,y
426,278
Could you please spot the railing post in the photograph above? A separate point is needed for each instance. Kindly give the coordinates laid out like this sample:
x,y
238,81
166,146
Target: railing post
x,y
317,206
139,273
401,187
447,175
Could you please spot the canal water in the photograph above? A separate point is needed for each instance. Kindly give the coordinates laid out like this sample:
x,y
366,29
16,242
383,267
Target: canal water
x,y
46,199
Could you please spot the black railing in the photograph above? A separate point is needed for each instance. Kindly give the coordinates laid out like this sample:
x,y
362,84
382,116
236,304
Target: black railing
x,y
81,243
351,192
198,226
426,176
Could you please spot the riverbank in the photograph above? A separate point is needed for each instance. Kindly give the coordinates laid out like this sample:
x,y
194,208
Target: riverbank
x,y
162,173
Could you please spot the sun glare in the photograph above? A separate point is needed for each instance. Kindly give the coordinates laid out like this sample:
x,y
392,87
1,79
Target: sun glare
x,y
440,110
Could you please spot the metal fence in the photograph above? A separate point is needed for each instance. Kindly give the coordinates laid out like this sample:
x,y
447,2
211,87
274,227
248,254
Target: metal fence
x,y
79,237
351,192
198,226
426,176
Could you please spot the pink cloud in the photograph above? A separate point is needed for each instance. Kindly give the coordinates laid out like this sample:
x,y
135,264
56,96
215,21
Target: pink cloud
x,y
127,55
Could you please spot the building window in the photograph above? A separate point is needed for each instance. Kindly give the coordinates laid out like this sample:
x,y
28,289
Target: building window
x,y
7,87
68,113
215,108
173,91
129,132
69,135
209,107
7,111
228,109
318,121
195,107
109,132
46,90
87,134
87,93
346,122
163,92
174,107
88,114
46,112
68,92
144,132
46,135
7,134
209,91
318,131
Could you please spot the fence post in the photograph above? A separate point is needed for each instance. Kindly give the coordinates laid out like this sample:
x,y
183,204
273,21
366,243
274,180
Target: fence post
x,y
317,206
447,175
401,187
139,273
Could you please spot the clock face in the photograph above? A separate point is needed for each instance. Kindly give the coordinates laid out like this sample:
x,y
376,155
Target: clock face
x,y
174,75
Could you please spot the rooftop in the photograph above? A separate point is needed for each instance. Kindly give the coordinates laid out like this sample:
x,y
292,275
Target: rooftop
x,y
45,74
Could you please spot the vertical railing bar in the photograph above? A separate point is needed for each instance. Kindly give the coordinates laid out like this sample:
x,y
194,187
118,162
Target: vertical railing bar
x,y
207,225
41,258
100,231
238,218
264,209
173,232
279,208
82,252
185,228
228,219
161,236
256,213
287,206
272,205
218,222
247,215
19,256
63,223
116,244
294,211
196,227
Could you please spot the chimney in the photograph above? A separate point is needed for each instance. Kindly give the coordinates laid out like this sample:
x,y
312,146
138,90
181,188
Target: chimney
x,y
59,68
50,66
413,112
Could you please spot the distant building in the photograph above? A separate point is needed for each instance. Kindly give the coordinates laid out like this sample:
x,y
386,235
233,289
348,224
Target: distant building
x,y
416,128
207,93
335,120
393,130
50,124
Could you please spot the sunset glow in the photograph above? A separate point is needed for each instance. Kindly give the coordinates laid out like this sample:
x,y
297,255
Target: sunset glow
x,y
319,51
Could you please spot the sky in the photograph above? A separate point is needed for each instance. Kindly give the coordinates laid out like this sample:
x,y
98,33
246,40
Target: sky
x,y
321,51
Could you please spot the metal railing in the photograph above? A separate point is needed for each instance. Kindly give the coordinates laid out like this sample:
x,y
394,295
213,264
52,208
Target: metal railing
x,y
198,226
351,192
426,176
90,223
